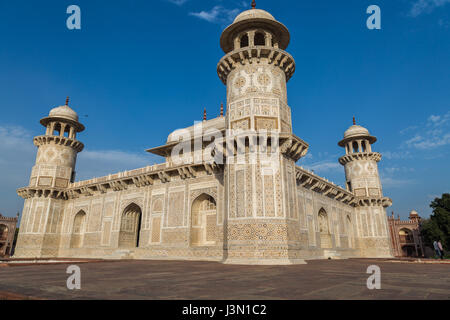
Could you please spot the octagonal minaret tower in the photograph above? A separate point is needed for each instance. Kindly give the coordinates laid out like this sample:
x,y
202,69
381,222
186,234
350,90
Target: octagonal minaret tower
x,y
53,171
261,207
363,180
57,149
256,66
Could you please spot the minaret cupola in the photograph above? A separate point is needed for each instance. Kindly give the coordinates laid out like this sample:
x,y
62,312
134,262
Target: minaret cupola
x,y
57,152
361,165
62,121
357,139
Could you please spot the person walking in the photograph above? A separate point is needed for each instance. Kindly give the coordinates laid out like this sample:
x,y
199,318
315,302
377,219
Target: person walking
x,y
441,249
436,249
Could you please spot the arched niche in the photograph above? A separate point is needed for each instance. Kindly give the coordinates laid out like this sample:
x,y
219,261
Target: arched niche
x,y
324,229
78,230
203,221
130,226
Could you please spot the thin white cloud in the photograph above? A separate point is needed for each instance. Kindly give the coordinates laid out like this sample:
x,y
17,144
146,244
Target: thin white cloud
x,y
392,170
438,120
391,182
178,2
426,6
217,14
18,154
434,133
431,142
411,128
308,156
96,163
394,155
324,166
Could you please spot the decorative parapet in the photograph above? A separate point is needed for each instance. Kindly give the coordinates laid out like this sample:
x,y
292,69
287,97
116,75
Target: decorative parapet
x,y
375,156
313,182
248,55
121,181
139,178
398,221
30,192
8,219
63,141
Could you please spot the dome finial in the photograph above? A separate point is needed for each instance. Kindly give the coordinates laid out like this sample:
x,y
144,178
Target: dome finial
x,y
204,114
253,4
221,109
67,101
354,121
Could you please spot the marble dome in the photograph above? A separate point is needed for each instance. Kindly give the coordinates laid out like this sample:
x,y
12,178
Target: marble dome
x,y
251,19
190,132
253,14
356,131
64,112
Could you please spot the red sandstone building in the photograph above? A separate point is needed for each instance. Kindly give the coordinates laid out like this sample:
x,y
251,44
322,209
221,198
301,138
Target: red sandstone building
x,y
405,236
7,231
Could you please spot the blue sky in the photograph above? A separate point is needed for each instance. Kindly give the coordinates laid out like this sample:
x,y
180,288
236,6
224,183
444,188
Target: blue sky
x,y
139,69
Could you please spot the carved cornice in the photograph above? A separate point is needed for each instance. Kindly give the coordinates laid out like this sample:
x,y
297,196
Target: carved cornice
x,y
293,147
288,144
42,192
250,55
375,156
138,178
63,141
309,180
374,202
121,181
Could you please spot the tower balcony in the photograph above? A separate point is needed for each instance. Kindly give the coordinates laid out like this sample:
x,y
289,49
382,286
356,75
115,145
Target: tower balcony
x,y
374,202
255,54
50,192
63,141
375,156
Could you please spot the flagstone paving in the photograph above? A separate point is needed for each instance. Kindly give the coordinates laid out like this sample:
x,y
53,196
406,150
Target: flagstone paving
x,y
318,279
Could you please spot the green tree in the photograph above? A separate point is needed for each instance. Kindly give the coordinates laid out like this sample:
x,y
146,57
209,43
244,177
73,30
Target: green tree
x,y
437,227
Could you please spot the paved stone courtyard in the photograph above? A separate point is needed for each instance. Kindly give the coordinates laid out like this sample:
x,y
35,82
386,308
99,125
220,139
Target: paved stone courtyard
x,y
319,279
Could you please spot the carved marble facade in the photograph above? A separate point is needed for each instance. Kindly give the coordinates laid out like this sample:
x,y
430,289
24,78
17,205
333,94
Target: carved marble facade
x,y
236,212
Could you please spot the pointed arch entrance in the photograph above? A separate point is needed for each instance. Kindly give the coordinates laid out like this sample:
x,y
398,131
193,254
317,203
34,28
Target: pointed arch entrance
x,y
408,246
203,221
324,229
130,226
78,230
